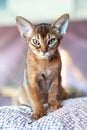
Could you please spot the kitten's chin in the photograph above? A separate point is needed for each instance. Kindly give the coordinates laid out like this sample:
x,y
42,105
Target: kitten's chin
x,y
42,55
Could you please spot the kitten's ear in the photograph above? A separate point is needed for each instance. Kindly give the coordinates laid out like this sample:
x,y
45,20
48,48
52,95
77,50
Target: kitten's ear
x,y
61,24
25,27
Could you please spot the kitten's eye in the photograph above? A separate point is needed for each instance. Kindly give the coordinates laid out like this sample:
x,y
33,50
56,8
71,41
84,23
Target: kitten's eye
x,y
52,41
36,42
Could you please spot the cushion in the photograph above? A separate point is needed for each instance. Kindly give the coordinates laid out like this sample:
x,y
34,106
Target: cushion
x,y
71,116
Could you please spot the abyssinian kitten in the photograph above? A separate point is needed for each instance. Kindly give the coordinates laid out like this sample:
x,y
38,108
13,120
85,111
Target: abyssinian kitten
x,y
42,73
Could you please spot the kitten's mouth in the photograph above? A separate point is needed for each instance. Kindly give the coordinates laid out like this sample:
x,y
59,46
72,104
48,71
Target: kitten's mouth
x,y
42,54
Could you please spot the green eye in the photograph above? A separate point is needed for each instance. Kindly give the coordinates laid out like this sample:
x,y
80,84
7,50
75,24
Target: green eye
x,y
36,42
51,41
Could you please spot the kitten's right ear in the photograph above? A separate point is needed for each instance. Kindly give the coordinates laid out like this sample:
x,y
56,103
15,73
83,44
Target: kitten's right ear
x,y
61,24
25,27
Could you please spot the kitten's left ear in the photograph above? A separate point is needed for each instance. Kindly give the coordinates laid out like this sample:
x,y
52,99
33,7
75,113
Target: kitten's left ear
x,y
25,27
61,24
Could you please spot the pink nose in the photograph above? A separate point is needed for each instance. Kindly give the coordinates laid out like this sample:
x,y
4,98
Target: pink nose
x,y
44,50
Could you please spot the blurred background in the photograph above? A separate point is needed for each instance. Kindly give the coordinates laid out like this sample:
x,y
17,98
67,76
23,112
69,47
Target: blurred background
x,y
73,48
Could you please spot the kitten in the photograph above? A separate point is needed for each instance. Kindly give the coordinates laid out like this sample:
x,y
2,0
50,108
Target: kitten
x,y
42,73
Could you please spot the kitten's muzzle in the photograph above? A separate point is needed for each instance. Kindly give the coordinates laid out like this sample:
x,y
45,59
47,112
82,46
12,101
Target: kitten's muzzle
x,y
43,53
44,49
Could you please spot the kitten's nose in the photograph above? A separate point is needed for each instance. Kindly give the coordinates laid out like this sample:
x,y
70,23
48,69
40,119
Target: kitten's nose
x,y
44,50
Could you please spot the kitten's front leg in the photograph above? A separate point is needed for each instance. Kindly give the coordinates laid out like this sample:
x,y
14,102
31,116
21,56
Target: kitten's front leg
x,y
54,96
38,109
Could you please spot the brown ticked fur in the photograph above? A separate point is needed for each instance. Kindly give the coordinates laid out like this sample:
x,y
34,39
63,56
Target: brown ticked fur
x,y
42,73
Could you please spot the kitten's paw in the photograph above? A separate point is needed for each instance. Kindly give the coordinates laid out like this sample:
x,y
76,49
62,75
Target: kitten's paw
x,y
38,115
54,105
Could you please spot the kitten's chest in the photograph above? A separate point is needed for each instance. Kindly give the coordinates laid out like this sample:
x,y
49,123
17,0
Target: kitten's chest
x,y
46,71
45,76
44,80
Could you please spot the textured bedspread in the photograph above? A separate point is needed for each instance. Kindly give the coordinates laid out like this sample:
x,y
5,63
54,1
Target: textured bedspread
x,y
72,116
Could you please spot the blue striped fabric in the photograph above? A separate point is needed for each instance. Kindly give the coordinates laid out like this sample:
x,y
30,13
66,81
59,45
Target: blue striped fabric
x,y
72,116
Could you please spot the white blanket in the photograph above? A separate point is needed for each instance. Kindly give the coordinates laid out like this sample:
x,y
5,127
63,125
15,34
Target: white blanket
x,y
72,116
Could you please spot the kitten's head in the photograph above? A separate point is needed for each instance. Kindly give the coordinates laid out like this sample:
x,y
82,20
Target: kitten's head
x,y
43,39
